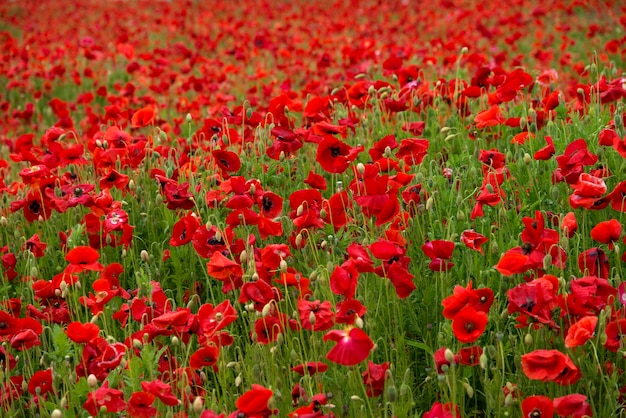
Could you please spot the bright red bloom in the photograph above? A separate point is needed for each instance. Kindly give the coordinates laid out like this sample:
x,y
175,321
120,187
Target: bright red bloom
x,y
183,230
344,278
479,299
615,332
227,160
550,366
310,368
569,225
413,150
255,402
140,405
143,117
82,333
225,270
353,346
595,261
35,246
473,240
334,155
111,399
161,390
469,324
348,310
537,407
81,259
489,117
617,197
581,331
40,383
546,152
439,410
205,357
439,251
374,378
574,406
607,232
316,316
114,180
401,279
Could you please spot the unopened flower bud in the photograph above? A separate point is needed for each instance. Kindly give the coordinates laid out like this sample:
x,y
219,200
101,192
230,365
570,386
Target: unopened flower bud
x,y
198,405
92,381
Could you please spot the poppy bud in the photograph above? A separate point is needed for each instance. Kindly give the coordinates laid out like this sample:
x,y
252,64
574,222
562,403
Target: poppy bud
x,y
528,339
527,158
460,215
483,360
56,414
92,381
509,401
449,137
238,380
547,261
197,405
243,257
359,322
266,309
468,389
3,221
449,355
283,266
523,122
158,199
175,341
392,393
188,118
388,153
312,318
429,203
34,272
299,240
360,168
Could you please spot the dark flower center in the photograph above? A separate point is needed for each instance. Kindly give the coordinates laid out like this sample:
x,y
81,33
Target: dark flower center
x,y
267,203
34,207
335,151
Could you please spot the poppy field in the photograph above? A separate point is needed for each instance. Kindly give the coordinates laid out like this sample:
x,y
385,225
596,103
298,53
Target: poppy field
x,y
312,209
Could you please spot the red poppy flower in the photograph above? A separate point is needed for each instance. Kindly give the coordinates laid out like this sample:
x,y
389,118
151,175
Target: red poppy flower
x,y
227,160
205,357
81,259
316,316
344,278
514,82
178,196
348,310
111,399
607,232
310,368
469,356
143,117
473,240
401,279
439,410
315,181
183,230
374,378
35,246
36,206
469,324
615,331
479,299
537,407
550,366
267,329
255,402
270,204
569,225
617,197
489,117
595,261
40,383
574,405
546,152
140,405
208,241
353,346
334,155
286,142
439,252
260,293
161,390
82,333
413,150
213,319
581,331
114,179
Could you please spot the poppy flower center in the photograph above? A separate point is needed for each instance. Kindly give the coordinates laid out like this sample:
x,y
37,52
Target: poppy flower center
x,y
469,326
183,234
4,325
34,207
223,161
335,151
267,204
78,192
535,413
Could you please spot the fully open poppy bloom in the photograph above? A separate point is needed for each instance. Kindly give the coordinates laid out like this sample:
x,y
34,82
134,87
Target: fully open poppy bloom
x,y
140,405
550,366
569,225
595,261
469,324
316,316
353,346
183,230
617,197
615,332
35,246
81,259
227,160
479,299
535,300
334,155
344,278
546,152
111,399
537,407
205,357
401,279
